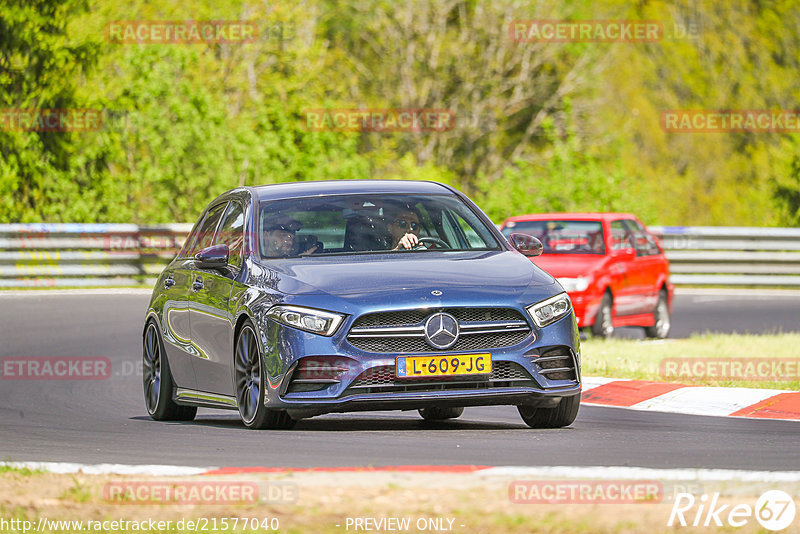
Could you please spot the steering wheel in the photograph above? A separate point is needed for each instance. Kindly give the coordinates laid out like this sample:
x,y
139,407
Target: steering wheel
x,y
423,241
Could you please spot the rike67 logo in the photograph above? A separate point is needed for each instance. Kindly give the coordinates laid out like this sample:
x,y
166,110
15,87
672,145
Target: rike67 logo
x,y
774,510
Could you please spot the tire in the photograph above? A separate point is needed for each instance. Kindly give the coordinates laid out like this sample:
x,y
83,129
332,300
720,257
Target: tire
x,y
660,330
603,322
560,416
159,388
438,413
250,380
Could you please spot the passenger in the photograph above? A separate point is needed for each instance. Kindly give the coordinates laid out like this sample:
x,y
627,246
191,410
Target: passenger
x,y
279,239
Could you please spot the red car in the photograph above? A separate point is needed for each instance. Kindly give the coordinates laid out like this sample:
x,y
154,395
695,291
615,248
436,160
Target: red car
x,y
615,272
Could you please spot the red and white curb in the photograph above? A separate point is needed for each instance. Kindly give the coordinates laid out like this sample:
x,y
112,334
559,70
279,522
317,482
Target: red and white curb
x,y
545,472
694,400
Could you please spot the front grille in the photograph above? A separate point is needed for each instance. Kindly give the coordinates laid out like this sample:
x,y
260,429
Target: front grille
x,y
383,374
382,379
403,331
413,317
398,318
556,363
464,343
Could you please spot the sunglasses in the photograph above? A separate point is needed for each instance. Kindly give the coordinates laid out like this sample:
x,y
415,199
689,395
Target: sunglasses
x,y
402,223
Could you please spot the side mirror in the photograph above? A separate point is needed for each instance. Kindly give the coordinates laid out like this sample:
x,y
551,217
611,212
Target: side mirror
x,y
526,244
625,253
215,257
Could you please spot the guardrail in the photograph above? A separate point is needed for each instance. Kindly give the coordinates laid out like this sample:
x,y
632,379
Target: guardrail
x,y
74,255
732,256
77,255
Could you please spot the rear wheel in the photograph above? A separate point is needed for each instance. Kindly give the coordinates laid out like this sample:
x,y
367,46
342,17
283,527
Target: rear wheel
x,y
660,330
250,380
603,322
438,413
159,387
562,415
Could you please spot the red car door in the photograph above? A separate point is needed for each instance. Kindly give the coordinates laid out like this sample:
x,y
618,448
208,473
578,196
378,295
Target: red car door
x,y
622,267
651,264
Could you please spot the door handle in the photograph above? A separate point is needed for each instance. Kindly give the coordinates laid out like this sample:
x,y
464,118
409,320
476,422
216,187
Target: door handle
x,y
169,282
197,285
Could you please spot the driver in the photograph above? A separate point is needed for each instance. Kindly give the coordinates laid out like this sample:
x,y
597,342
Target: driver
x,y
404,229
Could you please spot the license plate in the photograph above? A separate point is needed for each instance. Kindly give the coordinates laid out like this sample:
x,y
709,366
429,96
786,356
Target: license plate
x,y
460,364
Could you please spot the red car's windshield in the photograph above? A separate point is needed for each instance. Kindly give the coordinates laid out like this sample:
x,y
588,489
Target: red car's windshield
x,y
563,237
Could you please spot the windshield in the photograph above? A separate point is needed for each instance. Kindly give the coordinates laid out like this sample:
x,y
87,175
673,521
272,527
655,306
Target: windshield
x,y
352,224
563,237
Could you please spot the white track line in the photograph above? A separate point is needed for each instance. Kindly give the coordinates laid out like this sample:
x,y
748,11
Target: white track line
x,y
109,469
569,472
643,473
74,292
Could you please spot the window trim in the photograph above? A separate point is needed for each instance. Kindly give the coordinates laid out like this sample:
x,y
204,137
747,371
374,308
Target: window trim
x,y
190,243
231,202
491,234
637,228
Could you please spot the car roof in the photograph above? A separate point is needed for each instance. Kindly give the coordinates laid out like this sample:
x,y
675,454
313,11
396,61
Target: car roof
x,y
584,216
345,187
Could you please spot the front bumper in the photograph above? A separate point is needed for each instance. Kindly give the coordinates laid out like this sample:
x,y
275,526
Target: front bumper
x,y
532,382
417,400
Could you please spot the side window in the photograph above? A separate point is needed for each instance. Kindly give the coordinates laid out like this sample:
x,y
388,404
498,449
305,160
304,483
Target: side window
x,y
621,237
205,234
644,244
459,233
449,229
190,239
472,236
231,232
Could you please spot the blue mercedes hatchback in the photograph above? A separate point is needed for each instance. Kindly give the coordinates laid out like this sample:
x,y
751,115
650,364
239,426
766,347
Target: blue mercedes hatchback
x,y
294,300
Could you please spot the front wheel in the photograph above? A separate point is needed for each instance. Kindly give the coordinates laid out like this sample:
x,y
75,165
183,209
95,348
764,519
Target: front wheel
x,y
660,330
250,380
603,322
562,415
159,387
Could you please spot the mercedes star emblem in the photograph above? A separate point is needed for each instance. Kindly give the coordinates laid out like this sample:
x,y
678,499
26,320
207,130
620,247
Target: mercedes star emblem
x,y
441,330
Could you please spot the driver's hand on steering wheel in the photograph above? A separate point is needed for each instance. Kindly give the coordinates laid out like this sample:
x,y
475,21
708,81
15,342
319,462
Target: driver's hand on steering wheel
x,y
407,242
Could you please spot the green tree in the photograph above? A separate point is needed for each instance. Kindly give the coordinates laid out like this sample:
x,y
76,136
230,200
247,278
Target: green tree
x,y
39,68
787,194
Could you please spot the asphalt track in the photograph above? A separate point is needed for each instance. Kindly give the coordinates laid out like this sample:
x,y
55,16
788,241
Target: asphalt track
x,y
104,421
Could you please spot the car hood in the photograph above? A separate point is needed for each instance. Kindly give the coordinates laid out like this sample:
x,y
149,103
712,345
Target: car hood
x,y
570,265
495,272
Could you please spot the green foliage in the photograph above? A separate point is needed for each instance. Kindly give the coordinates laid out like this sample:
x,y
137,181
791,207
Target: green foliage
x,y
39,69
539,126
21,471
787,194
566,178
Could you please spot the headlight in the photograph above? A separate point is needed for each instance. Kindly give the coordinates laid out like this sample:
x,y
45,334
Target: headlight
x,y
550,310
315,321
574,284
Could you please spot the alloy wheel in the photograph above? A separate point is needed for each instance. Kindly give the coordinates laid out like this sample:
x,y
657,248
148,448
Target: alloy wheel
x,y
606,324
151,372
662,322
248,374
